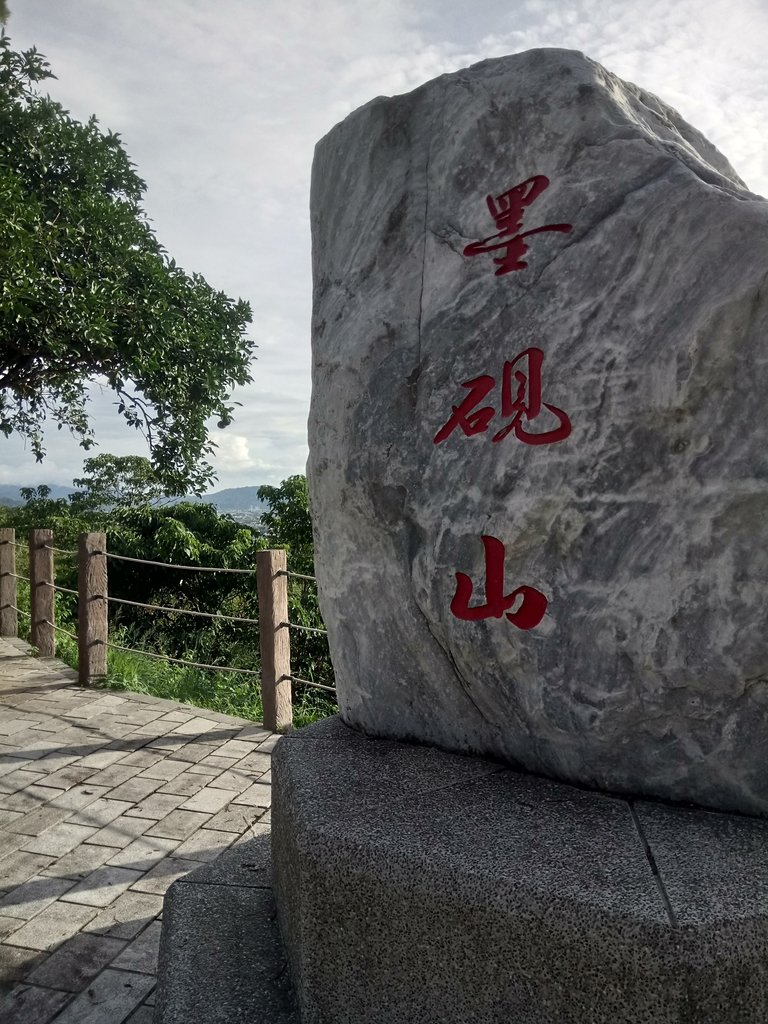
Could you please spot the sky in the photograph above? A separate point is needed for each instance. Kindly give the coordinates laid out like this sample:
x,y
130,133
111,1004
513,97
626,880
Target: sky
x,y
220,105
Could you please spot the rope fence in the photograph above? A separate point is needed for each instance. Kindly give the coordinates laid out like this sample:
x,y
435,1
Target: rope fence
x,y
183,611
306,629
181,661
273,624
171,565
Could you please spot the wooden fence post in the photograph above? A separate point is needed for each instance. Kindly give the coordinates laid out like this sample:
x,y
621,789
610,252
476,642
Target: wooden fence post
x,y
274,640
92,607
42,596
9,620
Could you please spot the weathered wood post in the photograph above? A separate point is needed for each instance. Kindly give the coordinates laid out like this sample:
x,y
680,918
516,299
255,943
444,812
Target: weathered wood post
x,y
92,607
9,619
42,596
274,641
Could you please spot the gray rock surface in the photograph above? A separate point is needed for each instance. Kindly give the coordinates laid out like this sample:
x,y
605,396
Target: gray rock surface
x,y
474,894
221,958
645,528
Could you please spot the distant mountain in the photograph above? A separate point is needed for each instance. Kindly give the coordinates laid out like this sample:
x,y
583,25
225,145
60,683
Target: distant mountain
x,y
234,499
230,499
10,494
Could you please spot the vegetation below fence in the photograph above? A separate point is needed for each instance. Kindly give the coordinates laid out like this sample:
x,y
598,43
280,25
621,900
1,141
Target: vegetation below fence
x,y
186,535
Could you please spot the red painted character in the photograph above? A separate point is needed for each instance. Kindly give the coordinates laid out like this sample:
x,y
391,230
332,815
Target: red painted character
x,y
520,405
533,604
507,211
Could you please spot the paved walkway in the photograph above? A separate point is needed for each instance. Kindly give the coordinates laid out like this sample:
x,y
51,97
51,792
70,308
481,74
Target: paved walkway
x,y
105,799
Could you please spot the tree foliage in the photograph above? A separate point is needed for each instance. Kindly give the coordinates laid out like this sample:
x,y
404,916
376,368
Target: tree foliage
x,y
116,481
87,292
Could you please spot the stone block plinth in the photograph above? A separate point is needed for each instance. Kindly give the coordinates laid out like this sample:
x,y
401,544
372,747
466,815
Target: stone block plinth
x,y
414,885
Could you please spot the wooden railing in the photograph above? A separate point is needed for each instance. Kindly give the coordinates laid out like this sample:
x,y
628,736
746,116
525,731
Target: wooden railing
x,y
93,596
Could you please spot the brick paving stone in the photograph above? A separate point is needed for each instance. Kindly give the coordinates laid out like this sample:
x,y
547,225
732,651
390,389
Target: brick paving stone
x,y
259,795
141,954
9,843
59,840
28,1004
35,822
208,800
100,813
17,867
102,886
73,965
218,762
177,716
178,824
236,748
163,875
195,727
186,784
142,758
135,789
143,1015
256,733
268,745
53,762
13,781
150,1000
52,926
31,798
79,796
16,963
156,806
194,751
32,896
11,762
66,778
127,915
115,775
8,925
204,845
142,854
256,762
209,770
234,780
80,862
166,770
109,999
100,759
121,831
235,819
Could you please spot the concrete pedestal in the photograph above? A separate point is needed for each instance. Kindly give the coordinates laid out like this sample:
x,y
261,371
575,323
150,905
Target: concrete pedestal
x,y
419,887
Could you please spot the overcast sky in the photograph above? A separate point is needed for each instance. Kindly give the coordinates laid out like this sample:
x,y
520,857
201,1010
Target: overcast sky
x,y
220,105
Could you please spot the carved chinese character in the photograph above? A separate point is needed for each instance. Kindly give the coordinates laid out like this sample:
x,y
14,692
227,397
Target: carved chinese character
x,y
532,606
507,211
520,403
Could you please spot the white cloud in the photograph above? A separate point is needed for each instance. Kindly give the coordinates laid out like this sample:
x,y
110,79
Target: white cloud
x,y
220,106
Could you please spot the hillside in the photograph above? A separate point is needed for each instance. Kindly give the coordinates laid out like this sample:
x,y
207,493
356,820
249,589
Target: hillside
x,y
230,499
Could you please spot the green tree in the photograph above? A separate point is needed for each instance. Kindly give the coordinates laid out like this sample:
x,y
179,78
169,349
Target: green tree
x,y
287,523
115,481
4,12
87,291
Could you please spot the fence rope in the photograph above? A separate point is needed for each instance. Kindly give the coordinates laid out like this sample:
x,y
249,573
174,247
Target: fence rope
x,y
64,590
171,565
19,610
180,661
308,682
295,575
59,551
59,629
16,576
307,629
182,611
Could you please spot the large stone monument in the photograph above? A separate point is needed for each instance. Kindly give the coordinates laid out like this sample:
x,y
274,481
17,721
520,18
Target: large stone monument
x,y
539,483
538,442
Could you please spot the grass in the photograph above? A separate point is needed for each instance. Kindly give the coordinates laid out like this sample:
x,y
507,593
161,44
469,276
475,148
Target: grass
x,y
225,692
